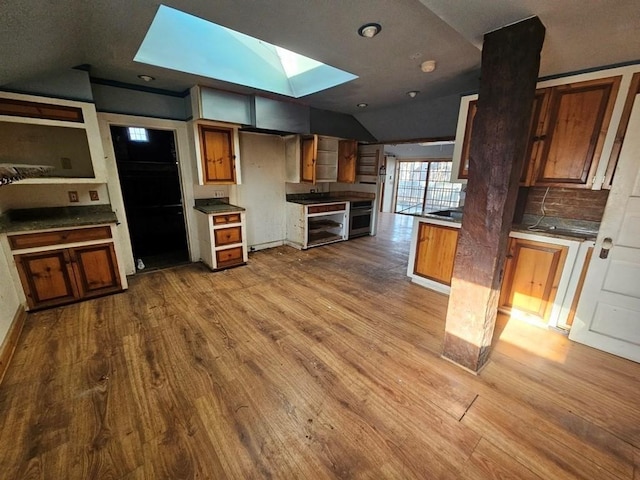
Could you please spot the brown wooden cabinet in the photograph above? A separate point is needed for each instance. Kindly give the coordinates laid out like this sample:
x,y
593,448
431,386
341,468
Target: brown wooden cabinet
x,y
435,252
217,154
347,156
568,128
308,152
576,124
66,275
532,274
223,242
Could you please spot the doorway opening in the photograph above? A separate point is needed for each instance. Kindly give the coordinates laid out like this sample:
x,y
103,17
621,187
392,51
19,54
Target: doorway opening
x,y
152,194
424,186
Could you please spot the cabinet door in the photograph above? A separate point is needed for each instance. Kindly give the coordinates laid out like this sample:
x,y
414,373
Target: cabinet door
x,y
95,269
578,120
47,278
532,273
435,252
308,153
347,155
535,135
218,158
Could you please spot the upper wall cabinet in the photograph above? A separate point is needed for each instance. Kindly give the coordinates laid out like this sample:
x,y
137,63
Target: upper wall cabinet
x,y
569,127
57,133
216,149
317,159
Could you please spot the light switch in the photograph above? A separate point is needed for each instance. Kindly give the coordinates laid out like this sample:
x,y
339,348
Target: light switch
x,y
93,195
73,196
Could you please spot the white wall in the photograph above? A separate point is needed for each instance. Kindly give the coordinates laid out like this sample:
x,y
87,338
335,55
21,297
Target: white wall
x,y
19,195
389,186
262,191
9,300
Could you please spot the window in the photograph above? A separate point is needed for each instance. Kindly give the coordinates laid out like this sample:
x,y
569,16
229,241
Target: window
x,y
424,187
137,134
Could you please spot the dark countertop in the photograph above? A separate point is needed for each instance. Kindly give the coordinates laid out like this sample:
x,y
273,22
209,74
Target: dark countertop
x,y
212,206
324,198
31,219
567,231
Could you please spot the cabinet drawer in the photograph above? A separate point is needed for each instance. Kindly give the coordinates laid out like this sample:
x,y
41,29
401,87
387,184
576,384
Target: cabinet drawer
x,y
228,257
227,236
58,237
224,219
327,208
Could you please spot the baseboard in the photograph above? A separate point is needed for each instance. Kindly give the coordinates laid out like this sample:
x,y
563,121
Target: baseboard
x,y
11,340
264,246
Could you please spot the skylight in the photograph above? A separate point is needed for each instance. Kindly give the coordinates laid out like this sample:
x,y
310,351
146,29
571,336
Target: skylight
x,y
183,42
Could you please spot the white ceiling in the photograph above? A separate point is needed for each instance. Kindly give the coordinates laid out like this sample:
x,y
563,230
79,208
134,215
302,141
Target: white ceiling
x,y
38,36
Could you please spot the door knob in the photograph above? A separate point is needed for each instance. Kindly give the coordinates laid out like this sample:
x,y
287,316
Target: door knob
x,y
607,243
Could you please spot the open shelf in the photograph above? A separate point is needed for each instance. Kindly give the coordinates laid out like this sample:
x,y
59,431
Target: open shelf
x,y
323,236
322,224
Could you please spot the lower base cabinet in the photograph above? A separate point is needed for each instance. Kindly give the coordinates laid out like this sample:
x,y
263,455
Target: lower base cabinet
x,y
57,276
222,239
435,252
532,275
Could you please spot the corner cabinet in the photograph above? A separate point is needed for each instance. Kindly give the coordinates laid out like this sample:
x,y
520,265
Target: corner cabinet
x,y
216,150
65,266
223,242
569,126
61,134
318,159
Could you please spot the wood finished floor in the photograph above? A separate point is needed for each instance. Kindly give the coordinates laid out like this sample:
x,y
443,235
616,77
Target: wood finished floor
x,y
320,364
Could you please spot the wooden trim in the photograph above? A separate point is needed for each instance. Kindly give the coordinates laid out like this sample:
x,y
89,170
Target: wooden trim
x,y
576,296
21,108
10,342
634,89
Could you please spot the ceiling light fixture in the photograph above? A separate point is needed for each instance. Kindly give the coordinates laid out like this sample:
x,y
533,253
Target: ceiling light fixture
x,y
413,93
428,66
362,105
369,30
146,78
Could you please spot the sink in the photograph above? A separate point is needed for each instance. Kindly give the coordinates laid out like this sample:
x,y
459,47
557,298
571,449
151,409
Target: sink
x,y
455,214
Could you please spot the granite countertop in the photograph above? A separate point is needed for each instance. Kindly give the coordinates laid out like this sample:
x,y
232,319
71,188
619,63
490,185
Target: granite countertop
x,y
548,227
211,206
31,219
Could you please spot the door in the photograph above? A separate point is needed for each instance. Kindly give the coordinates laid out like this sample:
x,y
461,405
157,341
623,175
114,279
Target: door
x,y
152,195
308,149
347,154
608,314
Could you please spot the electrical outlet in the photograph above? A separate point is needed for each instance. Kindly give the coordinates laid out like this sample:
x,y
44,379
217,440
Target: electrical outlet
x,y
65,162
93,195
73,196
218,193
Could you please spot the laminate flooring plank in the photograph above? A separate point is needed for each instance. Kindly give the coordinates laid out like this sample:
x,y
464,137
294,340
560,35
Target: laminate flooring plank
x,y
490,463
521,438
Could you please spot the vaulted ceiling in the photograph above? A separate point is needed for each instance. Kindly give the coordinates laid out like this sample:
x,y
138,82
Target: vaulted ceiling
x,y
41,36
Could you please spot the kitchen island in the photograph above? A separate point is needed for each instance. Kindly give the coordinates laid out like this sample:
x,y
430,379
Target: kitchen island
x,y
542,273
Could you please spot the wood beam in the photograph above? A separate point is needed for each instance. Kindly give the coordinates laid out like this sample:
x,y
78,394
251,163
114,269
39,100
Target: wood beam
x,y
510,65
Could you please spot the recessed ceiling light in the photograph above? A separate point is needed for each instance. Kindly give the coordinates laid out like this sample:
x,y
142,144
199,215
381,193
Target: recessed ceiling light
x,y
413,93
369,30
362,105
146,78
428,66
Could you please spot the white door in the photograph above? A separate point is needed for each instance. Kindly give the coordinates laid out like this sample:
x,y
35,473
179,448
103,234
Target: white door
x,y
608,314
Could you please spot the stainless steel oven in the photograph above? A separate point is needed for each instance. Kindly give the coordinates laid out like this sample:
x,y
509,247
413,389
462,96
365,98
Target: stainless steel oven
x,y
360,215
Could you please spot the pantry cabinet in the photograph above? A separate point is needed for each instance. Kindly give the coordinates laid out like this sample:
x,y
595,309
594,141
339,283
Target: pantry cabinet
x,y
64,266
568,128
532,275
435,252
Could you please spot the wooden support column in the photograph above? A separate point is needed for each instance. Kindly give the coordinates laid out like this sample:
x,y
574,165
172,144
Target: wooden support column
x,y
510,64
